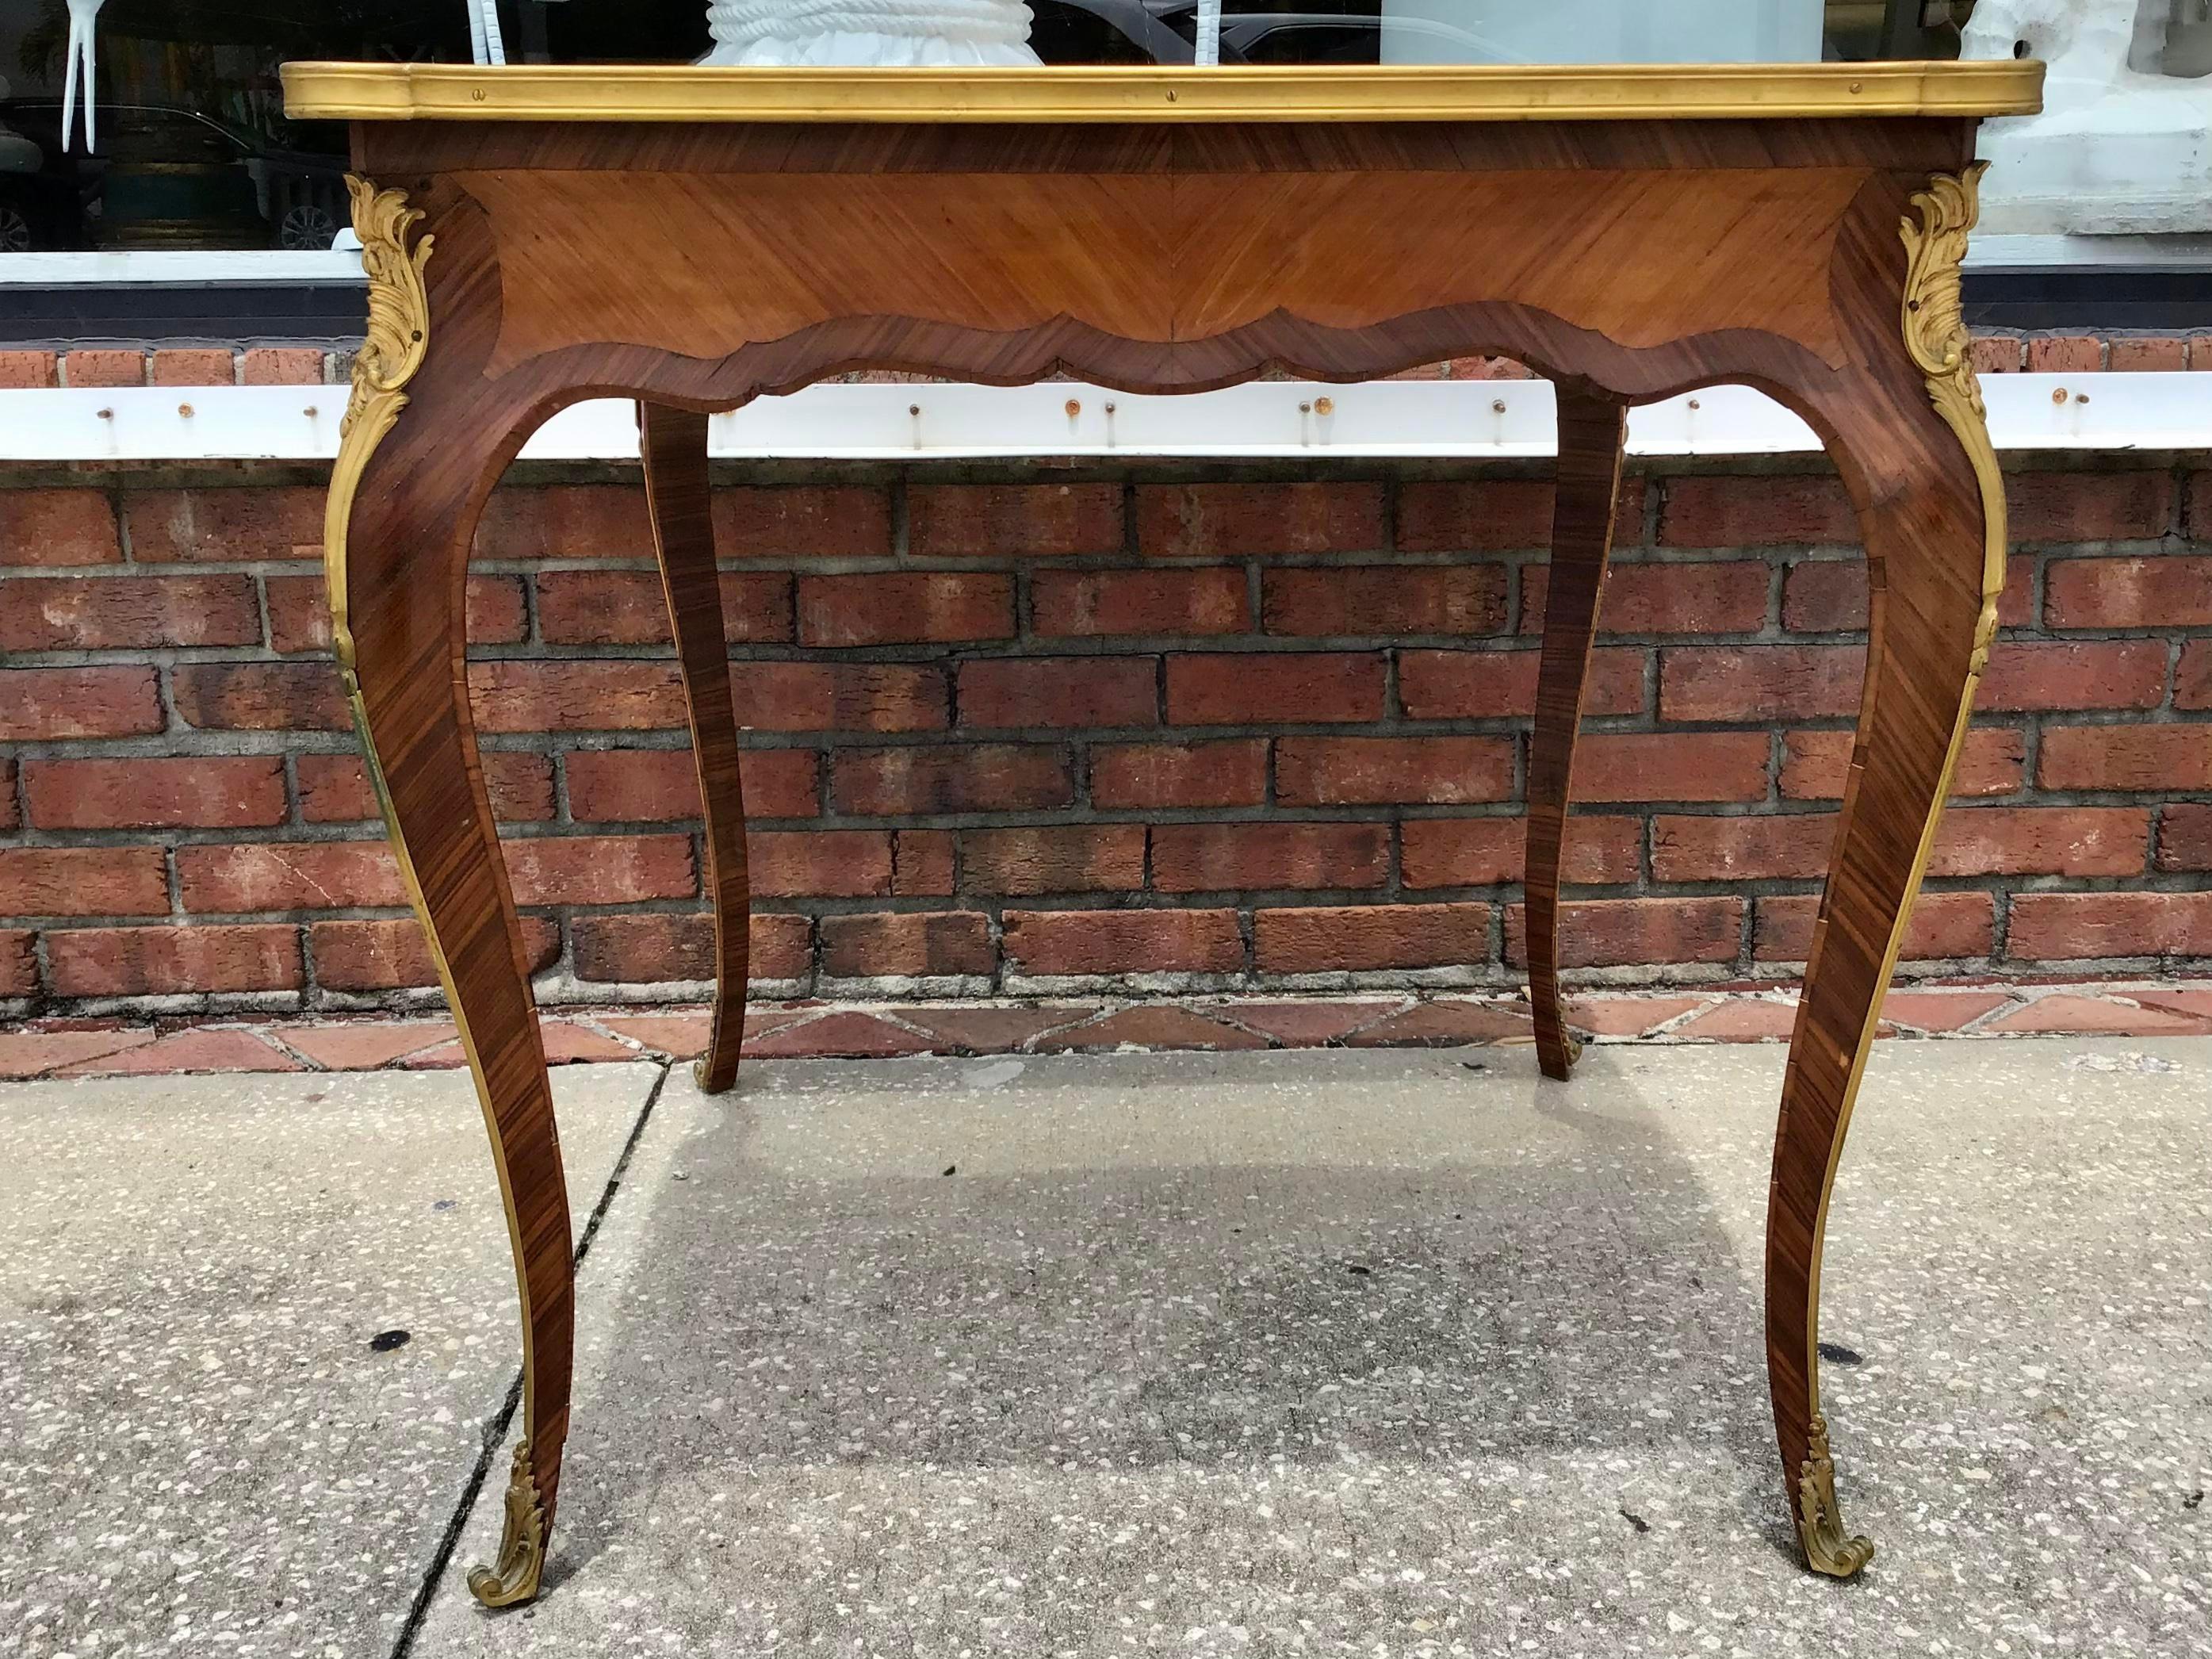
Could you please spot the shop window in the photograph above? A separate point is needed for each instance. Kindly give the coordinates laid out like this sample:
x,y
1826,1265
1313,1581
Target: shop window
x,y
194,152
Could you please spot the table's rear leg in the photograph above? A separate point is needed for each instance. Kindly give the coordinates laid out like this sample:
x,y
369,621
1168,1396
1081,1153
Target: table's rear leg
x,y
1914,449
1591,432
674,444
424,440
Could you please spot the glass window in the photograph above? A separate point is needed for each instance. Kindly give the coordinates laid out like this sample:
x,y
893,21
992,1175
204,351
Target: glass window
x,y
1861,30
1307,43
1063,33
193,150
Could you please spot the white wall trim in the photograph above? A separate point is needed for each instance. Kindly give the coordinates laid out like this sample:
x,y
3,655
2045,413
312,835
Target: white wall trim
x,y
2169,252
180,268
1264,420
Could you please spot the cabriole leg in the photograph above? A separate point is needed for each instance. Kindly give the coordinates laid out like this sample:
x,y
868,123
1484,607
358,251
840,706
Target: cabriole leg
x,y
674,443
405,492
1915,451
1926,647
1591,434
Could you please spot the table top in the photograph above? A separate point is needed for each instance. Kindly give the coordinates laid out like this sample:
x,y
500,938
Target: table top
x,y
684,92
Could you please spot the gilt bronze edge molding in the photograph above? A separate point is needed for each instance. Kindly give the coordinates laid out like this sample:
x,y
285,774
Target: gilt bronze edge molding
x,y
1153,94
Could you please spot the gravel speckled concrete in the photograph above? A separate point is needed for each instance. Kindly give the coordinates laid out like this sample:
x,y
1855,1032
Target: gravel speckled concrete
x,y
1382,1354
200,1451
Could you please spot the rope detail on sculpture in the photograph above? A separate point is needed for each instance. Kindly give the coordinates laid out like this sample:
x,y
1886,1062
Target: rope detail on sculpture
x,y
865,32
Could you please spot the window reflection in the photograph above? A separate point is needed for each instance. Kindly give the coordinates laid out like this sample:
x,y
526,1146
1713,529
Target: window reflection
x,y
194,150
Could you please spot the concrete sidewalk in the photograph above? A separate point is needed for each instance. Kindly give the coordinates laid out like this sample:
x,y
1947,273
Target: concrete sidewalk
x,y
1400,1353
205,1447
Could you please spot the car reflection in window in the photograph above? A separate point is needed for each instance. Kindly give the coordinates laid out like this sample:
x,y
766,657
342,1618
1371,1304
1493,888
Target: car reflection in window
x,y
163,176
1163,31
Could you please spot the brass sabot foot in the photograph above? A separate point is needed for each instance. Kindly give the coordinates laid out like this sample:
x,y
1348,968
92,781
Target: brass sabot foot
x,y
521,1542
1820,1521
1571,1050
705,1081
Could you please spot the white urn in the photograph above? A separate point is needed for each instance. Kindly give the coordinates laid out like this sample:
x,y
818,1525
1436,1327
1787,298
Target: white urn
x,y
952,33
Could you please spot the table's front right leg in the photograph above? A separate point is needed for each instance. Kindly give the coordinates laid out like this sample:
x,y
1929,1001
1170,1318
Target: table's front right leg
x,y
422,443
1913,446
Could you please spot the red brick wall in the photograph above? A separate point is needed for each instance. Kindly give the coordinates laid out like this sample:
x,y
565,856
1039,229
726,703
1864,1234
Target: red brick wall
x,y
1242,723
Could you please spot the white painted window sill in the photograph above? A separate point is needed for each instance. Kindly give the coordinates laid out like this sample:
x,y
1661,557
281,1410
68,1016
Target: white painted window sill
x,y
1268,419
179,268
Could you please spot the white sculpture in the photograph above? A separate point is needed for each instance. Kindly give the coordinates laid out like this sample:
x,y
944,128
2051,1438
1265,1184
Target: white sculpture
x,y
2115,150
484,38
80,16
1208,52
865,33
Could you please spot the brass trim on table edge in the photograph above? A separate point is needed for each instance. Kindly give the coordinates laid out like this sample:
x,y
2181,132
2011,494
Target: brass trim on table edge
x,y
1933,323
656,91
397,338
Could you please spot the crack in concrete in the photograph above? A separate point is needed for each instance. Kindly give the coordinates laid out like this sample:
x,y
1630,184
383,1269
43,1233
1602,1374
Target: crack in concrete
x,y
494,1434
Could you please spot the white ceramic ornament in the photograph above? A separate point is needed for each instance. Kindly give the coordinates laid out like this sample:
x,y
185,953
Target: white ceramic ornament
x,y
484,40
79,65
949,34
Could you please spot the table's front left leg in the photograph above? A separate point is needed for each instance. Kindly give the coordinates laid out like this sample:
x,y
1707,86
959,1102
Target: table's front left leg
x,y
674,445
422,443
1914,447
1592,431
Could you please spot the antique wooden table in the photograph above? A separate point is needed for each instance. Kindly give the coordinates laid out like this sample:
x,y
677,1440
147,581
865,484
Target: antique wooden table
x,y
695,238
